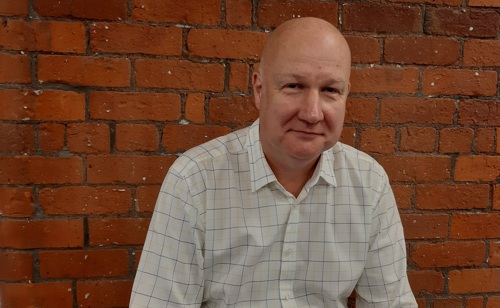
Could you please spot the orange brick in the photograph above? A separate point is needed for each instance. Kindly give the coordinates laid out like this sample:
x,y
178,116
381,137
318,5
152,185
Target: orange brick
x,y
16,266
104,293
16,202
477,168
17,138
425,226
85,9
107,169
84,70
481,225
364,49
14,8
236,109
35,294
451,82
55,105
417,110
83,263
384,80
482,53
272,13
108,105
195,107
179,74
361,110
78,200
88,138
378,140
183,137
239,77
417,139
239,12
207,12
458,197
485,280
146,198
456,140
137,137
348,136
15,68
426,281
26,234
421,50
484,3
479,112
449,254
127,38
457,22
117,231
484,140
51,137
417,168
494,258
404,195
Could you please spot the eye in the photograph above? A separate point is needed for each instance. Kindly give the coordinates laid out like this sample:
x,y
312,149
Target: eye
x,y
331,90
293,86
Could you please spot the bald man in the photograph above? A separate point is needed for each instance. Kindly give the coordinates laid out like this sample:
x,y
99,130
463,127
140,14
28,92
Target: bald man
x,y
279,214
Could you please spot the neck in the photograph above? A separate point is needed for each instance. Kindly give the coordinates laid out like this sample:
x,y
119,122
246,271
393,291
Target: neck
x,y
293,176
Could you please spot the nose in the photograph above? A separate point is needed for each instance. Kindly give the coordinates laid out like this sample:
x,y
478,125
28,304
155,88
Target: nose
x,y
310,109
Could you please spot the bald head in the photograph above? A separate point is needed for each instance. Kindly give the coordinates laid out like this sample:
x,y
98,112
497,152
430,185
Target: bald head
x,y
303,34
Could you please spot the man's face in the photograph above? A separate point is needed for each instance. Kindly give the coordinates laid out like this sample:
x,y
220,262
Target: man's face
x,y
301,94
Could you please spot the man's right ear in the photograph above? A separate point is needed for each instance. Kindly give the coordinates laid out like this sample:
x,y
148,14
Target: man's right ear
x,y
257,88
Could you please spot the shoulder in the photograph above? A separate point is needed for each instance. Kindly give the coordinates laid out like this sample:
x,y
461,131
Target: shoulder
x,y
352,158
222,147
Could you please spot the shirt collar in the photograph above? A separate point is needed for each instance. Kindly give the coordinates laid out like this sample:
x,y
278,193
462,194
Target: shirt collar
x,y
261,173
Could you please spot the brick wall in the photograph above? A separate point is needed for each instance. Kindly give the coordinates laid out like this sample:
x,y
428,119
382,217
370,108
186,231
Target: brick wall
x,y
97,97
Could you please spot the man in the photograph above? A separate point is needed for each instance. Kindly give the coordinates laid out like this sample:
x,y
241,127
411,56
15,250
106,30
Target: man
x,y
280,213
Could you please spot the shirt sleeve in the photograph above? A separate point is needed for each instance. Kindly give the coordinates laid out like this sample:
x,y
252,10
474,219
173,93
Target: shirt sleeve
x,y
170,271
384,281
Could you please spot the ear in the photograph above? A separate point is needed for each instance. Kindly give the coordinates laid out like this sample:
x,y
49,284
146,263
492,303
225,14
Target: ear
x,y
257,88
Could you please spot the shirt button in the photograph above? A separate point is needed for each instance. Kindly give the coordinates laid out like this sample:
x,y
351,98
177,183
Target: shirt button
x,y
288,252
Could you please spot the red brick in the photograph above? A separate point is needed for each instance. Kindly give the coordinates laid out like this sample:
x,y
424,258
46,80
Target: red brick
x,y
104,293
16,104
478,112
77,200
484,280
207,12
137,137
404,195
17,138
50,36
384,80
477,168
482,225
457,197
494,258
14,8
85,9
434,2
16,265
117,231
493,301
83,263
378,140
426,281
425,226
272,13
55,105
28,234
484,3
482,53
84,70
179,74
16,202
88,138
51,137
146,198
361,110
498,140
237,109
127,169
40,170
484,140
127,38
474,302
364,49
15,68
239,13
183,137
421,50
417,168
195,107
381,18
460,82
447,302
222,44
496,197
449,254
417,139
239,77
35,294
108,105
348,136
456,140
458,22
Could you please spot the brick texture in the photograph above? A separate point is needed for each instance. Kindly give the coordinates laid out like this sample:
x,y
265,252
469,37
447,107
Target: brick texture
x,y
98,98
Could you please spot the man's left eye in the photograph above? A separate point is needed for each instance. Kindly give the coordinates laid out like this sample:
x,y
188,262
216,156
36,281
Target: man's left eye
x,y
331,90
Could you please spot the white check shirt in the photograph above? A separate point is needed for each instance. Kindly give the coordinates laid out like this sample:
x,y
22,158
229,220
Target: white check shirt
x,y
225,233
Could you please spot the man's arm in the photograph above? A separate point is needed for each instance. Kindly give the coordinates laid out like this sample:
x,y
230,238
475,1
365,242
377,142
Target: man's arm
x,y
384,282
170,271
